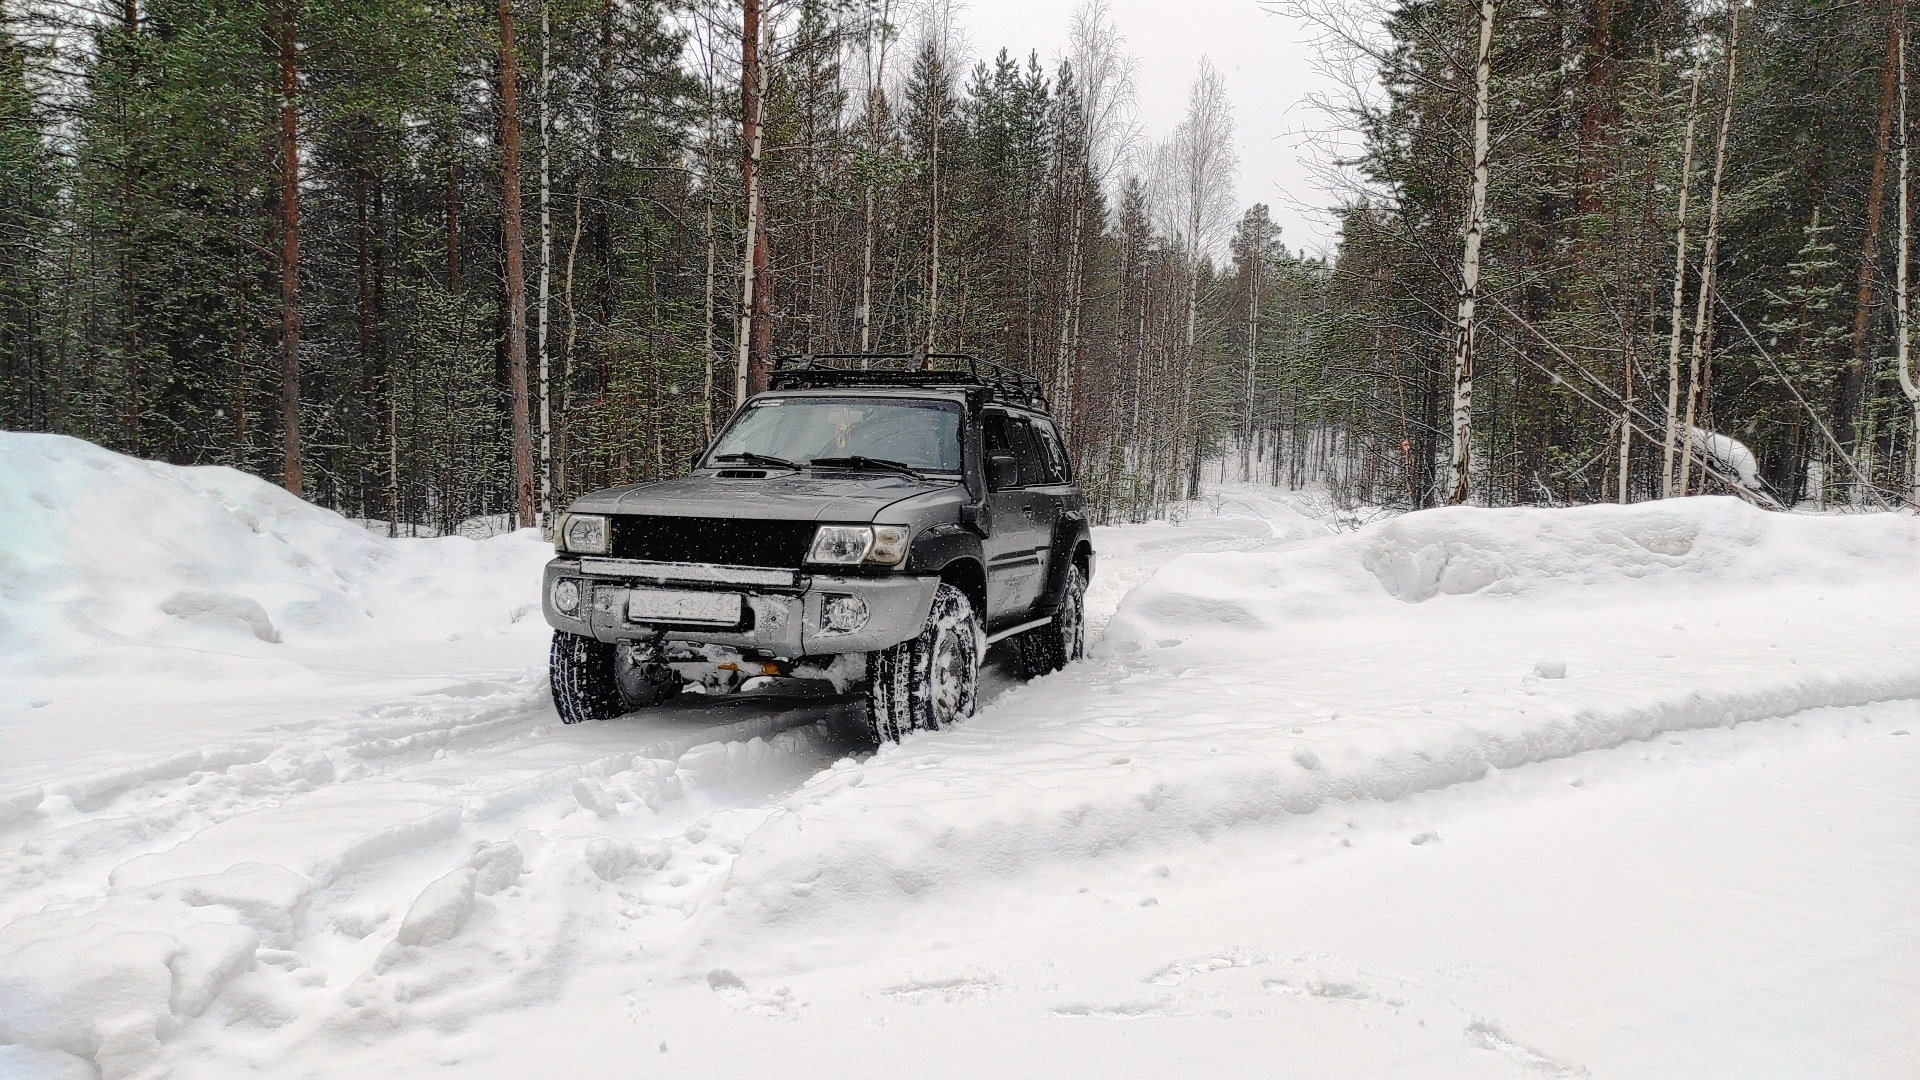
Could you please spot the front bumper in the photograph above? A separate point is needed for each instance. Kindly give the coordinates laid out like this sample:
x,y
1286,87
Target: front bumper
x,y
783,607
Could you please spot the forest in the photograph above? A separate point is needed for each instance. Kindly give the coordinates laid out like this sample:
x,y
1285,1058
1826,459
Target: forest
x,y
424,260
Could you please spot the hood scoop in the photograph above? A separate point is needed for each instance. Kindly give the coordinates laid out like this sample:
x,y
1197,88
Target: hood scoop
x,y
744,474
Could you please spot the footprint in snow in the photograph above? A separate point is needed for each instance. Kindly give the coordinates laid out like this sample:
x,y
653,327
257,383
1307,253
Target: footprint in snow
x,y
733,990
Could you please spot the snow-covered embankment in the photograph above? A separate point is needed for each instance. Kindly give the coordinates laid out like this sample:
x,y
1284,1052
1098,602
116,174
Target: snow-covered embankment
x,y
1238,687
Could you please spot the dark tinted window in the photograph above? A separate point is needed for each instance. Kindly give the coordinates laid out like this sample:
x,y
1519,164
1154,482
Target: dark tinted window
x,y
1059,471
993,431
1026,450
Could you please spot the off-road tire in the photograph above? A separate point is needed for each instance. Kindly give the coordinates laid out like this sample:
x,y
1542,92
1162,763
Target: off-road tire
x,y
1046,649
587,683
932,680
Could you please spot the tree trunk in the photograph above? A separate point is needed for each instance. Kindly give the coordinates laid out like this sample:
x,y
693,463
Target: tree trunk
x,y
933,211
1256,262
516,277
1909,384
750,375
876,106
292,475
566,364
1702,309
1626,427
1679,290
1460,486
546,264
1853,379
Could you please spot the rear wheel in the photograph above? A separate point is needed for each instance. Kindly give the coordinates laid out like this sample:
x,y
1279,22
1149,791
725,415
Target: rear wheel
x,y
1049,648
601,680
931,680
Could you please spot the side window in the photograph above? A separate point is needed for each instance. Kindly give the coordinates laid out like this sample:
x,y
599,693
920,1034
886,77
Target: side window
x,y
993,430
1059,468
1026,450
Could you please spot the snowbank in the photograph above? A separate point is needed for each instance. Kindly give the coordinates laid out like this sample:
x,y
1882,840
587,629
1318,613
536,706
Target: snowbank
x,y
155,621
99,550
1412,655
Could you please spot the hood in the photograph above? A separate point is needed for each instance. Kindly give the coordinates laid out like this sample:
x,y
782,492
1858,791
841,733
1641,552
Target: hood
x,y
801,496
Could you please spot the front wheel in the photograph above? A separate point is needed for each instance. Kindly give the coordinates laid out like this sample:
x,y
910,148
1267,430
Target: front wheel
x,y
599,680
931,680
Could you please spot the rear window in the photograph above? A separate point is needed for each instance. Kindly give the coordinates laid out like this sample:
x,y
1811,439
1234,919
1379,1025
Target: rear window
x,y
1026,450
1059,468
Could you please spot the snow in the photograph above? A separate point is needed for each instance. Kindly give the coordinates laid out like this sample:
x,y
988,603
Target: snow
x,y
1608,791
1728,454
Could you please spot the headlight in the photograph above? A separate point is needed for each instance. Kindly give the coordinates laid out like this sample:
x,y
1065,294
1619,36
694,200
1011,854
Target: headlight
x,y
889,544
840,545
847,545
586,534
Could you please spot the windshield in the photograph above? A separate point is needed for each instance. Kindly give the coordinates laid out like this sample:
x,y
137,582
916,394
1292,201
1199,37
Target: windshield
x,y
918,433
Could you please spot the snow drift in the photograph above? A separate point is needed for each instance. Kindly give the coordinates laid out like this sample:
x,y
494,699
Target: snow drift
x,y
100,552
1414,654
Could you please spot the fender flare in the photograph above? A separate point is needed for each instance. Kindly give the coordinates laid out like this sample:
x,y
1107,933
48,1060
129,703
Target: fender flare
x,y
937,549
1069,538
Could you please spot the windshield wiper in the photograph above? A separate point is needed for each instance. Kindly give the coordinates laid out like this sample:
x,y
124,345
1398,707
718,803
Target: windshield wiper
x,y
855,461
752,458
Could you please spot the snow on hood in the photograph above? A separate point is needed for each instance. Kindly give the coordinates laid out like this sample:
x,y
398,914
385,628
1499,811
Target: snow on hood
x,y
99,550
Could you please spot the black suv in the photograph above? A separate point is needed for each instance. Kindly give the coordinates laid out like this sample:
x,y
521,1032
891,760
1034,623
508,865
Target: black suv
x,y
872,518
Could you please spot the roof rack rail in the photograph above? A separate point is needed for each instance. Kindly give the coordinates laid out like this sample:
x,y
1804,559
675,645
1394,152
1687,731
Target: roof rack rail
x,y
802,371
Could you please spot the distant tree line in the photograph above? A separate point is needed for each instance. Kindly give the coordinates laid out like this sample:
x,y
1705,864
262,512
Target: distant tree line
x,y
422,261
1685,221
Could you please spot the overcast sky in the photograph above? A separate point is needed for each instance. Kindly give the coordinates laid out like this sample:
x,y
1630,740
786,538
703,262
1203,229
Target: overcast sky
x,y
1264,59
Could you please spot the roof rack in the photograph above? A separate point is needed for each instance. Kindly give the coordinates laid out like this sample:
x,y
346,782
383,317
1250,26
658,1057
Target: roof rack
x,y
806,371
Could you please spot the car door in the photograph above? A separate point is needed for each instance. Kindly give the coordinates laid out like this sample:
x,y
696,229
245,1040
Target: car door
x,y
1039,497
1013,568
1065,510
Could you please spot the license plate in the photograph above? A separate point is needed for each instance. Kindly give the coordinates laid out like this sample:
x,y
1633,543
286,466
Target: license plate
x,y
684,606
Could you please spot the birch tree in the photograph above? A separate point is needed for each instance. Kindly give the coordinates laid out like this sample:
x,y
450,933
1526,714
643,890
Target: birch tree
x,y
1197,168
1699,358
879,32
1679,284
750,357
1460,484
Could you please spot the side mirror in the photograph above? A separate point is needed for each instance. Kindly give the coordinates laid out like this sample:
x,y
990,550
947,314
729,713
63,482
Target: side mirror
x,y
1002,472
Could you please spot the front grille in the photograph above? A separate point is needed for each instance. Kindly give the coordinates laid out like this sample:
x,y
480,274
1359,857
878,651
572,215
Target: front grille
x,y
727,541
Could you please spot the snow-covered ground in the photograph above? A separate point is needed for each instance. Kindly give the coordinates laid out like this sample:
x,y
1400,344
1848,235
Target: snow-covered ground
x,y
1611,792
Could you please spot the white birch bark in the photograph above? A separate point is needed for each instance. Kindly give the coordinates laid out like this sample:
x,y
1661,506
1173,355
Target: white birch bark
x,y
712,237
1697,360
933,216
755,143
1679,288
876,104
1626,431
1461,484
1256,263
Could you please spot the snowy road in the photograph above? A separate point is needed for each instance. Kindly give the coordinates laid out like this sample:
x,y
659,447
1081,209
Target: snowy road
x,y
1532,794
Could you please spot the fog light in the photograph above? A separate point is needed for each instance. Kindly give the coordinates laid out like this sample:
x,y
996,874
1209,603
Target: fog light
x,y
566,596
843,614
